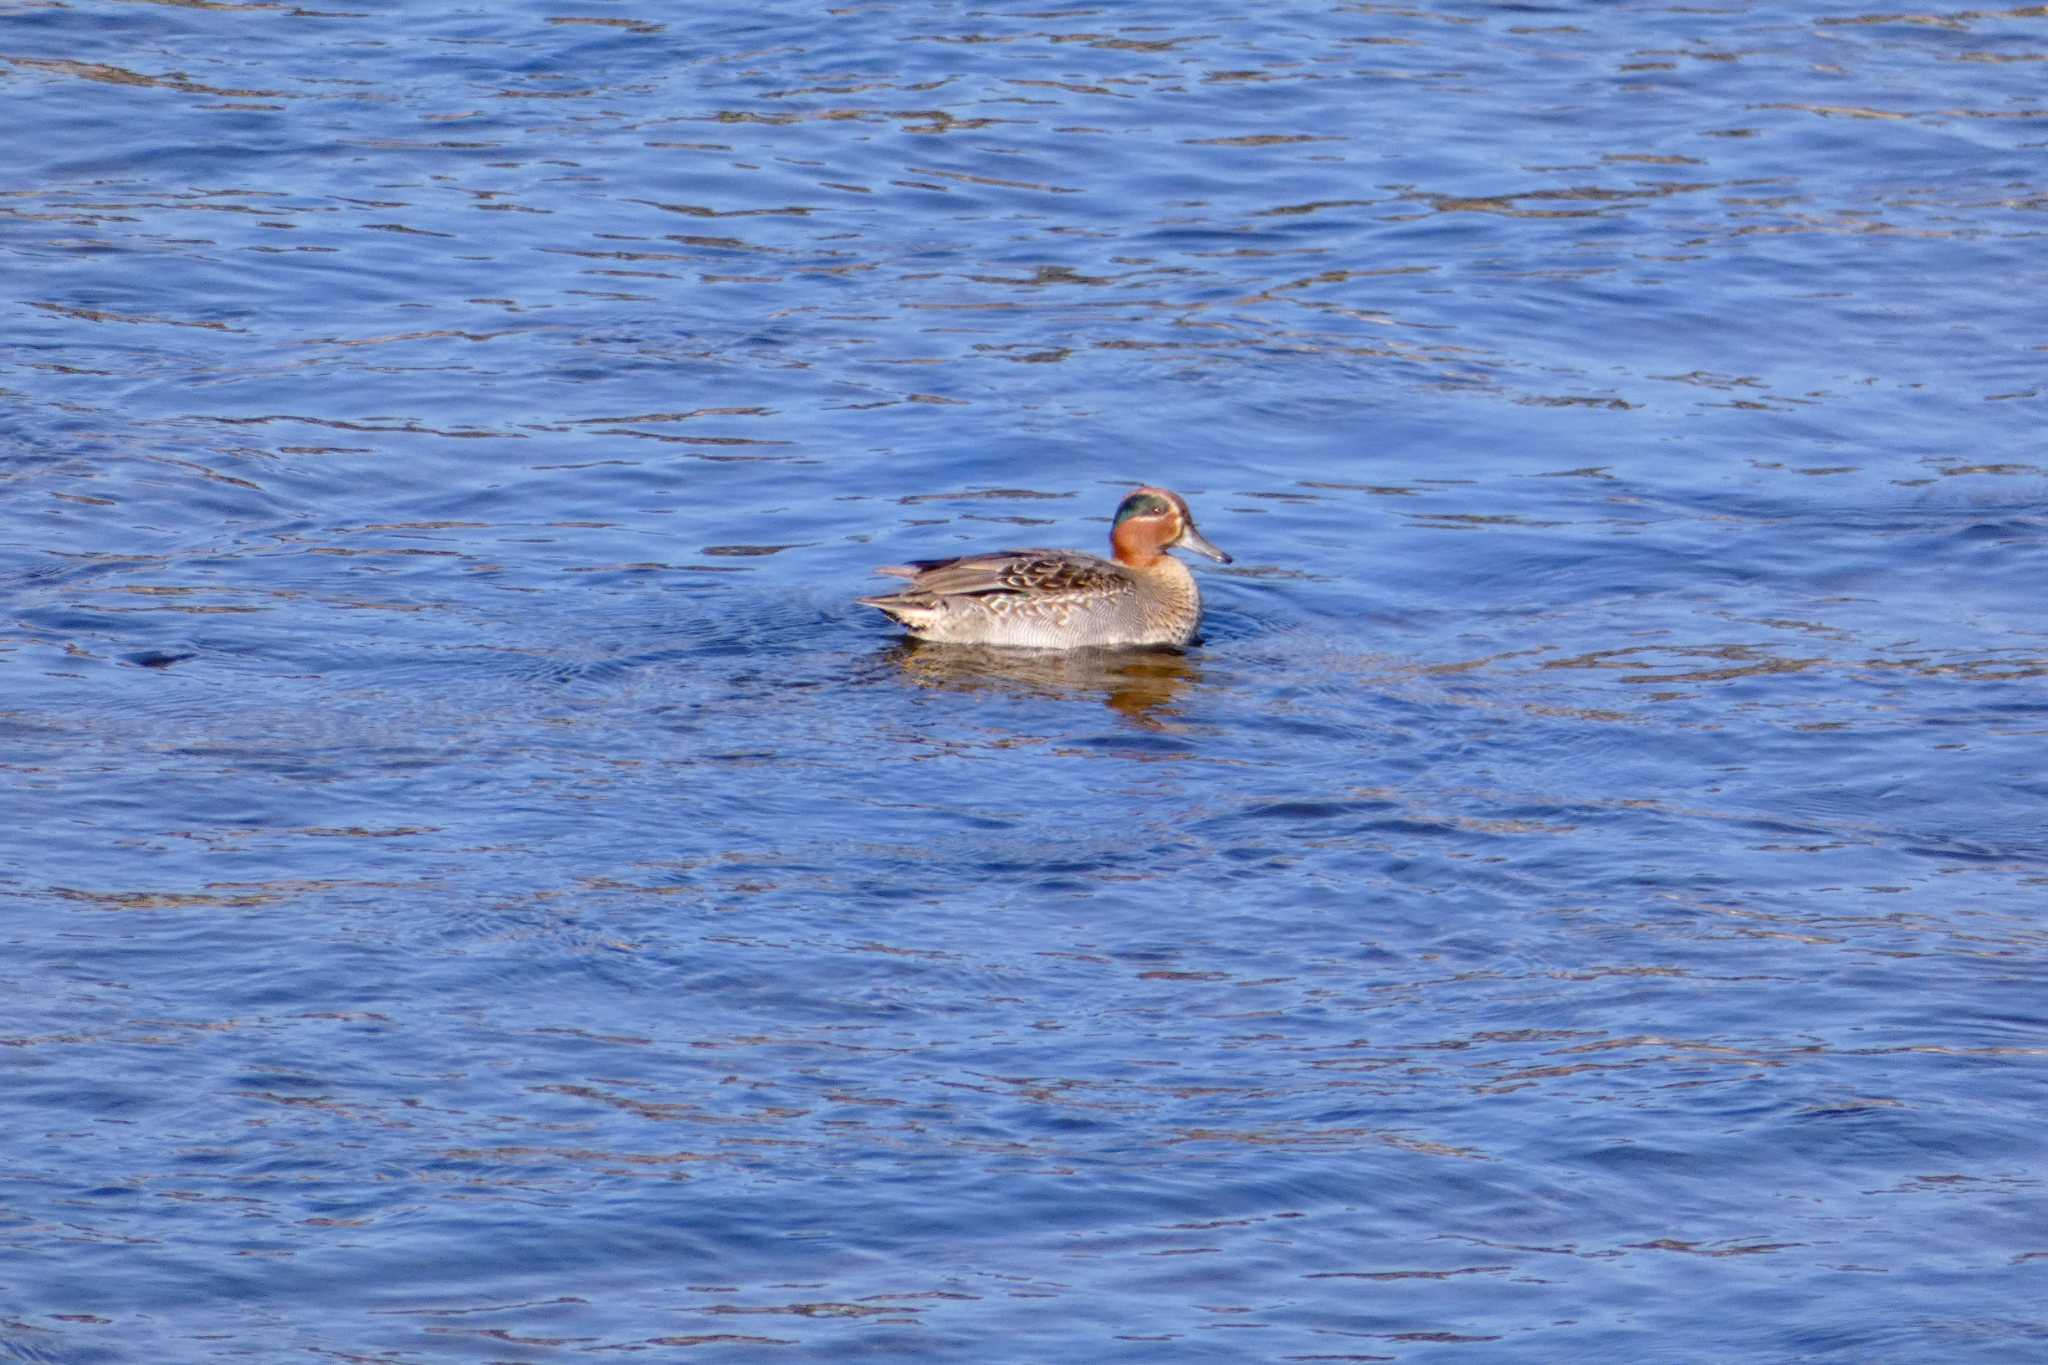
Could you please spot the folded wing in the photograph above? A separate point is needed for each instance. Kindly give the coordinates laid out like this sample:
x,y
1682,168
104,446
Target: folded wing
x,y
1039,573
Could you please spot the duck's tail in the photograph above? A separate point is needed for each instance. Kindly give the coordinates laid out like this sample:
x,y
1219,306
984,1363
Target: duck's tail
x,y
911,615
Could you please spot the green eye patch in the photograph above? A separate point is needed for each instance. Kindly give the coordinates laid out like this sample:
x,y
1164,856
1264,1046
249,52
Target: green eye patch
x,y
1141,505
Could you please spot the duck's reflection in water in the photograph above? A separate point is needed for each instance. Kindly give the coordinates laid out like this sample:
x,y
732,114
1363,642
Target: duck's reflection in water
x,y
1139,684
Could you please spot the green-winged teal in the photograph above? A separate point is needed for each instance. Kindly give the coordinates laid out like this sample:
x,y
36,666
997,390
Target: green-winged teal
x,y
1063,599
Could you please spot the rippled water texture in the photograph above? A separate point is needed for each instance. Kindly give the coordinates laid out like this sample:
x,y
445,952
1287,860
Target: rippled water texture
x,y
475,887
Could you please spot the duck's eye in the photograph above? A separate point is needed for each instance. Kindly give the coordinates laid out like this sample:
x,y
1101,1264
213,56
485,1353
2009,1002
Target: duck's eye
x,y
1143,506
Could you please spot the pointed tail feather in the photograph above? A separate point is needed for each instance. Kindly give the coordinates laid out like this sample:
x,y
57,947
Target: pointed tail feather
x,y
902,612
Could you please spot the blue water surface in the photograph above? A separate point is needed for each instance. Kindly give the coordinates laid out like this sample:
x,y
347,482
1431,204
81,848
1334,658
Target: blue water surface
x,y
476,887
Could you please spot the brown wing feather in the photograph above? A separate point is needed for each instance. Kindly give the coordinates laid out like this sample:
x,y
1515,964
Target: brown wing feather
x,y
1013,571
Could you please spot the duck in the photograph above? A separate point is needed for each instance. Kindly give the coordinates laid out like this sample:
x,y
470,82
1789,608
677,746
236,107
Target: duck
x,y
1064,599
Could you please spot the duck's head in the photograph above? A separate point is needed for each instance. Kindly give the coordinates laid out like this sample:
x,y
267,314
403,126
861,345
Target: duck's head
x,y
1152,521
